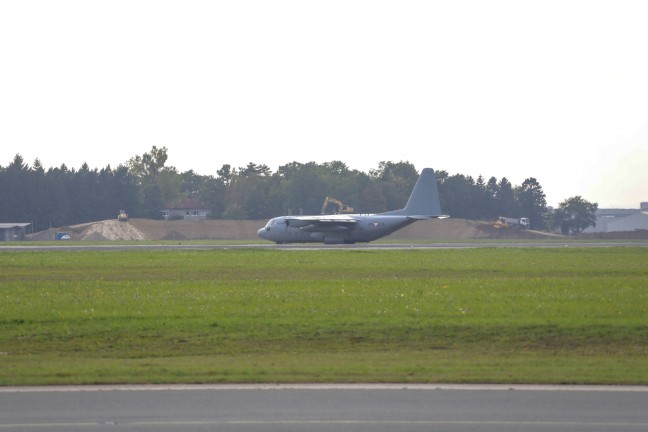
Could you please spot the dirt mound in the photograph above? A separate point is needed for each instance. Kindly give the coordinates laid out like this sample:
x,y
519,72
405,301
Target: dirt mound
x,y
112,230
439,229
147,229
199,230
95,231
462,229
247,230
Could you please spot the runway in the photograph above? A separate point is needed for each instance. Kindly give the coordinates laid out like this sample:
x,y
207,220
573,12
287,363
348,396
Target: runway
x,y
62,246
380,407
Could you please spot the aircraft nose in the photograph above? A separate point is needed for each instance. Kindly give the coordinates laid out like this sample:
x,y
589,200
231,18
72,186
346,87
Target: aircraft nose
x,y
261,233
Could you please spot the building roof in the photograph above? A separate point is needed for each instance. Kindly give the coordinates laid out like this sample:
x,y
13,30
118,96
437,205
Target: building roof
x,y
187,204
14,225
611,212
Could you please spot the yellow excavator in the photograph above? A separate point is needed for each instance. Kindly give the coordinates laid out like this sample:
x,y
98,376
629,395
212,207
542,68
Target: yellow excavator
x,y
340,207
122,216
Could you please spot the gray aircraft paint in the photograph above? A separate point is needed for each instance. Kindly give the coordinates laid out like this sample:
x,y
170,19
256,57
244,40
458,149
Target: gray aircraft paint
x,y
422,204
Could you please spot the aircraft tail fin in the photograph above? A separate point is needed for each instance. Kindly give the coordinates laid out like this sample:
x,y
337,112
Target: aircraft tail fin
x,y
423,202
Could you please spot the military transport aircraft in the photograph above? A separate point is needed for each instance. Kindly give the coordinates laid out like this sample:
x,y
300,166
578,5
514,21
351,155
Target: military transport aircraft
x,y
422,204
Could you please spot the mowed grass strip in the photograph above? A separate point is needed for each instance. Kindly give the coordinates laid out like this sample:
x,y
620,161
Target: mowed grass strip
x,y
481,315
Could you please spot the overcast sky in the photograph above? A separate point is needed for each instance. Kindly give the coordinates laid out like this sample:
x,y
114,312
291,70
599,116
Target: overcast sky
x,y
556,90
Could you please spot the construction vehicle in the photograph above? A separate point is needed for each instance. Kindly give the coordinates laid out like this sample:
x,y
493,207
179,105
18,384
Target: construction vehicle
x,y
340,207
122,216
62,235
506,222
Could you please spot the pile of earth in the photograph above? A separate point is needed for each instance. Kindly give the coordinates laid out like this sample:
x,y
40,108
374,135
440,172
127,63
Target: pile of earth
x,y
95,231
148,229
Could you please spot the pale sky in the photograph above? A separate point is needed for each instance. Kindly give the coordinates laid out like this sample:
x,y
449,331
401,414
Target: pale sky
x,y
556,90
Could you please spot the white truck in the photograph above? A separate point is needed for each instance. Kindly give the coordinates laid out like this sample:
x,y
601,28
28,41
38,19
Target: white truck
x,y
506,222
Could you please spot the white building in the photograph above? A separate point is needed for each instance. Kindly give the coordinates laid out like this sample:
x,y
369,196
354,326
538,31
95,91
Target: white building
x,y
615,220
188,209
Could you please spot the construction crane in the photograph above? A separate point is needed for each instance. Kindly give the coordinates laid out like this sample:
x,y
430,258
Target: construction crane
x,y
340,206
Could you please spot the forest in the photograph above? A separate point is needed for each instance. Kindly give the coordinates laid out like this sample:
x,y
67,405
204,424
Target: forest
x,y
144,185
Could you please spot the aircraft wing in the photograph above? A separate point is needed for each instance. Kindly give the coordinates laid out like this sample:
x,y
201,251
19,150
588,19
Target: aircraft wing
x,y
324,223
424,217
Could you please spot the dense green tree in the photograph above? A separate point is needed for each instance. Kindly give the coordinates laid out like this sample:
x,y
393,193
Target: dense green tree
x,y
491,210
124,191
142,187
505,199
342,183
191,183
254,169
82,187
247,197
212,192
372,200
574,215
457,193
305,191
14,182
57,208
38,196
336,168
532,202
147,167
173,185
397,180
225,174
287,171
152,203
479,198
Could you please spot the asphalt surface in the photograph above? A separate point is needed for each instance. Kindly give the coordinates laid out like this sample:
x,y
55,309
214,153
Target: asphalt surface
x,y
62,246
374,408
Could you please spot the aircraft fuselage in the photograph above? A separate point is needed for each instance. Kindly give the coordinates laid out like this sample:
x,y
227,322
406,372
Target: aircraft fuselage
x,y
366,228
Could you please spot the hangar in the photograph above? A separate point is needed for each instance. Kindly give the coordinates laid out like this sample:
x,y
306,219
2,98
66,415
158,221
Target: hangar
x,y
617,220
634,222
13,231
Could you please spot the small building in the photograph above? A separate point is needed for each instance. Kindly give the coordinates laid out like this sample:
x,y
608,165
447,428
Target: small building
x,y
615,220
188,209
13,231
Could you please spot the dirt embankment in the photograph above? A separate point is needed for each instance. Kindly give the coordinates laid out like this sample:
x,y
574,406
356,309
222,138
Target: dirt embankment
x,y
101,230
147,229
198,230
462,229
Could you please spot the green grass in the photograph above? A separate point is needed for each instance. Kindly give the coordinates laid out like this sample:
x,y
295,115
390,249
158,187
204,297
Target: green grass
x,y
480,315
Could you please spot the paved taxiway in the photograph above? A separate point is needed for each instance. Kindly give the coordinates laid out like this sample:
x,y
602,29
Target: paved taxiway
x,y
58,246
372,408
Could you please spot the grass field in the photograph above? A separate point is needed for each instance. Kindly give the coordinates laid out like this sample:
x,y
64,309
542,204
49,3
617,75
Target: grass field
x,y
479,315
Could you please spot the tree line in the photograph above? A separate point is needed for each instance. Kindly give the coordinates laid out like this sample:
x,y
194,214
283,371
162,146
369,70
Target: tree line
x,y
144,185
